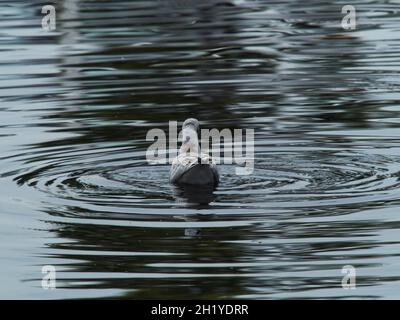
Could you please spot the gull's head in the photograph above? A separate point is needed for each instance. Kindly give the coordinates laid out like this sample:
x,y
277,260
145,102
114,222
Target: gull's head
x,y
192,123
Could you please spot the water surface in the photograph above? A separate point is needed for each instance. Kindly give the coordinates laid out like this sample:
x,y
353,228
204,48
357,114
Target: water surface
x,y
77,193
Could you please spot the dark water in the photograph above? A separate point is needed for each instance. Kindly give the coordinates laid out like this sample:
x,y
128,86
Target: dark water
x,y
77,193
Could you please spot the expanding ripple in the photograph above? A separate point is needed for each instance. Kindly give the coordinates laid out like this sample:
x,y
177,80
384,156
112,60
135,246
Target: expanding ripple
x,y
299,179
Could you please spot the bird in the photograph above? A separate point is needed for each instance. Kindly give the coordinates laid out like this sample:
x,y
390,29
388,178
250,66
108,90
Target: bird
x,y
192,167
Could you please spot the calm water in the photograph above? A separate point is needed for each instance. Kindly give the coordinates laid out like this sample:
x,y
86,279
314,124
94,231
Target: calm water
x,y
77,193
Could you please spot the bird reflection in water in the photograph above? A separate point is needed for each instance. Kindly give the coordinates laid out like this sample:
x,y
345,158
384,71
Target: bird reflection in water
x,y
194,196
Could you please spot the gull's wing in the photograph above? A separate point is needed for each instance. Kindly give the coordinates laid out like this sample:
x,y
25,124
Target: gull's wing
x,y
180,165
185,161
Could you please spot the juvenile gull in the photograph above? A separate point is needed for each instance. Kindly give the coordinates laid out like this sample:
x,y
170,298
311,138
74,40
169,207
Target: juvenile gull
x,y
191,167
